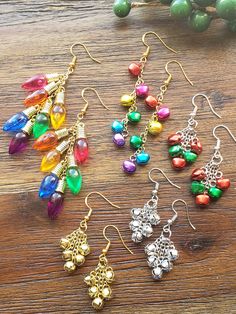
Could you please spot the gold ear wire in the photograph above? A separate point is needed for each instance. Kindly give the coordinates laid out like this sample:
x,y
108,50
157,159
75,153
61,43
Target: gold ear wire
x,y
104,251
181,68
73,62
86,102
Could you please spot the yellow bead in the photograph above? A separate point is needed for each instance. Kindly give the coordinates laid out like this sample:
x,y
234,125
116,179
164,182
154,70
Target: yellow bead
x,y
155,127
50,160
93,291
79,259
97,304
67,255
127,100
84,249
58,115
87,280
109,276
64,243
106,292
69,266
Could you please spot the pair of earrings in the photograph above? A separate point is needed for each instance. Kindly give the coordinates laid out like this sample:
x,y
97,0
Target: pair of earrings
x,y
75,248
154,125
161,253
66,148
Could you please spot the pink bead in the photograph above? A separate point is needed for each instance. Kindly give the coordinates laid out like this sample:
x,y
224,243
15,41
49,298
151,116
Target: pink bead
x,y
163,113
81,150
142,90
37,81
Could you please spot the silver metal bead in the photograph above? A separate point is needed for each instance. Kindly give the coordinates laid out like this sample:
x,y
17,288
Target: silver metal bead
x,y
147,230
135,212
151,260
166,265
173,254
157,273
150,248
137,237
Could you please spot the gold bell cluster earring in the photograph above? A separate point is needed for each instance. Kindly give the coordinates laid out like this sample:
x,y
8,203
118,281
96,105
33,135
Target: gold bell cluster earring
x,y
66,150
45,106
75,245
99,280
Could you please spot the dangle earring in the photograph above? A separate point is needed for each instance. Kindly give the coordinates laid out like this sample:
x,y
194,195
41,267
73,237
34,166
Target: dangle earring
x,y
162,253
141,90
143,219
185,145
75,245
153,126
45,106
64,171
208,182
99,280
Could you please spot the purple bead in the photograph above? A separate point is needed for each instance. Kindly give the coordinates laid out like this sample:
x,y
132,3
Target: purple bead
x,y
129,166
163,113
118,139
142,90
55,205
18,143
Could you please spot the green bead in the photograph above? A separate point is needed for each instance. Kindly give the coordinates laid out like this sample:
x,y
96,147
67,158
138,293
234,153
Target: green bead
x,y
74,179
189,156
204,3
41,125
168,2
197,187
215,193
121,8
175,150
199,21
226,9
134,116
180,9
136,141
232,25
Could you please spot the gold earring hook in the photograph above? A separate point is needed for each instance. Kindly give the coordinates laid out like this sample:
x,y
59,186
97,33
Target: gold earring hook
x,y
170,221
170,75
83,111
164,175
158,37
104,251
217,138
72,64
208,101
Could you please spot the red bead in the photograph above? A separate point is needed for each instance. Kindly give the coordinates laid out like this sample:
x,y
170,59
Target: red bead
x,y
134,69
178,163
202,199
223,184
174,139
196,146
151,102
198,174
37,81
81,150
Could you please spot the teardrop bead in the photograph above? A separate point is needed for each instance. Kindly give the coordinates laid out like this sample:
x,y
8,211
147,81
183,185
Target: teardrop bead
x,y
74,179
58,116
37,97
18,143
41,124
37,81
15,123
55,204
50,160
46,141
48,185
81,150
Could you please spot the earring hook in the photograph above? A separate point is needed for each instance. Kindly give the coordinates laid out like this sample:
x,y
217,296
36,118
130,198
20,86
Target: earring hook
x,y
83,111
86,49
158,37
170,221
104,251
164,175
181,68
217,138
208,101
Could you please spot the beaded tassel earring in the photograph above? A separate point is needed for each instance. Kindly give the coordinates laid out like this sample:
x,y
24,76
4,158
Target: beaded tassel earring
x,y
185,145
162,253
120,128
208,182
99,280
64,171
143,219
153,126
45,106
75,245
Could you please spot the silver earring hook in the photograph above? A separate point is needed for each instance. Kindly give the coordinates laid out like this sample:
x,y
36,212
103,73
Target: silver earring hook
x,y
209,103
217,138
170,221
164,175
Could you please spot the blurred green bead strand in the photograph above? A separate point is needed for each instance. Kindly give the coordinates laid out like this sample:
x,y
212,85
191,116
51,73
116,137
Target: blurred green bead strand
x,y
121,8
226,9
204,3
199,21
232,25
180,9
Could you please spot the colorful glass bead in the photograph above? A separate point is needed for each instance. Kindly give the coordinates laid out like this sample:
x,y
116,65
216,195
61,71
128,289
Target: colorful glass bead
x,y
142,90
134,116
197,187
50,160
41,124
118,139
81,150
136,141
134,69
121,8
175,150
178,163
196,147
58,116
215,193
127,100
129,166
189,156
19,142
198,174
36,82
163,113
223,184
174,139
151,102
37,97
46,141
55,204
117,126
15,123
48,185
155,127
74,179
202,199
142,158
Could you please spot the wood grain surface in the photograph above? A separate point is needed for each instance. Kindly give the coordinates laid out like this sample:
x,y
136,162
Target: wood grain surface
x,y
35,37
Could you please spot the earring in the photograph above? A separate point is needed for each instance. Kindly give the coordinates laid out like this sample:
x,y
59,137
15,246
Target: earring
x,y
75,245
120,128
185,145
208,182
64,171
162,252
144,218
153,126
99,280
45,106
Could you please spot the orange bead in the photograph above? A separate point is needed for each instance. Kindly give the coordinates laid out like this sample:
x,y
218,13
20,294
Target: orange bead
x,y
46,141
178,163
223,184
202,199
151,102
36,98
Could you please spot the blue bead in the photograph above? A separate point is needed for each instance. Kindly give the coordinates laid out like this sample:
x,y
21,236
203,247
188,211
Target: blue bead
x,y
117,126
142,158
15,123
48,185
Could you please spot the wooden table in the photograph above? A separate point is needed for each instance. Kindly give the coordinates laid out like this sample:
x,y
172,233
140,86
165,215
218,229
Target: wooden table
x,y
35,37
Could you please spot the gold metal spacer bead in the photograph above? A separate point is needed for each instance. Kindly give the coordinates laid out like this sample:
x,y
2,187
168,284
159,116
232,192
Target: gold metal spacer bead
x,y
80,131
28,127
63,146
61,185
47,106
71,161
62,133
52,77
30,111
51,87
58,169
60,98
